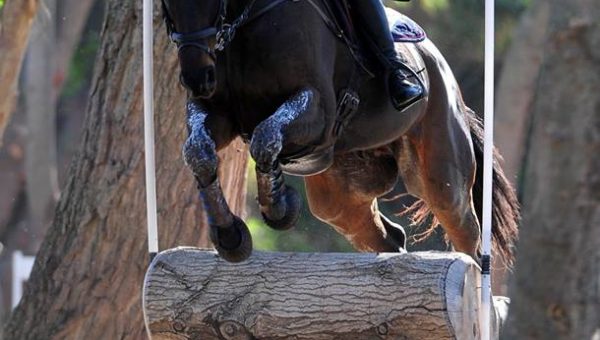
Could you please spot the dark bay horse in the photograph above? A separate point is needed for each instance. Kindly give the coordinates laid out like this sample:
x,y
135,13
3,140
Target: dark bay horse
x,y
275,82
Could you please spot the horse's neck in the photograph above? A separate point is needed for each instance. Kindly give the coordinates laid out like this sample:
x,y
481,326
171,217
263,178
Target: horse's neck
x,y
235,8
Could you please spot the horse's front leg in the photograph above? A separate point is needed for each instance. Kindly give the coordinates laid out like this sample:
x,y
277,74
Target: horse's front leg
x,y
228,232
293,122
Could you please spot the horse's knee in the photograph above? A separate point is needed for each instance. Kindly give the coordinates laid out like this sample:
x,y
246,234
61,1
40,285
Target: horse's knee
x,y
268,137
265,146
200,156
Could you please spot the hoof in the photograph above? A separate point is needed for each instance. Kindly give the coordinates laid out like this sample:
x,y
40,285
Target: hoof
x,y
293,204
233,243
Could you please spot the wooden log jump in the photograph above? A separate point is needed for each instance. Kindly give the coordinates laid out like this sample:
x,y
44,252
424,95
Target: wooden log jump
x,y
193,294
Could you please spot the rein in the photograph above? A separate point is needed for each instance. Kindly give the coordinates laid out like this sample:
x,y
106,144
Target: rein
x,y
223,32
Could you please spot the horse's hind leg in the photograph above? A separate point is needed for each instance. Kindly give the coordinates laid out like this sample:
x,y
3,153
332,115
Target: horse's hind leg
x,y
293,123
345,197
438,166
228,233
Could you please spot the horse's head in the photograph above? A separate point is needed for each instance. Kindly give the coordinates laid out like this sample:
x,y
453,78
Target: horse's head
x,y
192,25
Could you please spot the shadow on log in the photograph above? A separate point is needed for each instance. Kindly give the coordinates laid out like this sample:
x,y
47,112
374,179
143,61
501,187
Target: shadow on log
x,y
193,294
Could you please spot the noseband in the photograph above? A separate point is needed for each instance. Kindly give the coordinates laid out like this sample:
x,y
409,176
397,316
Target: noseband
x,y
222,31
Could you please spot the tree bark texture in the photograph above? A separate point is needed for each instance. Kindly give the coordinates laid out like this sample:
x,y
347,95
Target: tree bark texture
x,y
15,23
87,279
556,289
193,294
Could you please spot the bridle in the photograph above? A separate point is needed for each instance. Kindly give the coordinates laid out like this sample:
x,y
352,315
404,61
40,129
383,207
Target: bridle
x,y
221,31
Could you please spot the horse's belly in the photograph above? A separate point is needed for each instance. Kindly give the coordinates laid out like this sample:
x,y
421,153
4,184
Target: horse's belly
x,y
378,124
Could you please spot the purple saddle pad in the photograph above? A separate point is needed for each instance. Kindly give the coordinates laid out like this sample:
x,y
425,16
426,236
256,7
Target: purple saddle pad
x,y
403,28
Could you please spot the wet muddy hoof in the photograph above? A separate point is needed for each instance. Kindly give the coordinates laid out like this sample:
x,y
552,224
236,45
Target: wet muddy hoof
x,y
292,211
234,243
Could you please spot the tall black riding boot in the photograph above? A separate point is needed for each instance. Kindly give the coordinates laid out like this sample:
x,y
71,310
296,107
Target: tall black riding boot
x,y
402,91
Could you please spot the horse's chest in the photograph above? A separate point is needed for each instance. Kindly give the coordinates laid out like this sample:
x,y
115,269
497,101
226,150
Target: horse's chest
x,y
269,59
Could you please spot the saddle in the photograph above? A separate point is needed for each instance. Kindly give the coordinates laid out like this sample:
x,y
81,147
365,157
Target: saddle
x,y
340,18
403,28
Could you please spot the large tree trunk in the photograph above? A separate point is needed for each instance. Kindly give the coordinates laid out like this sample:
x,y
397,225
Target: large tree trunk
x,y
87,279
517,87
15,23
556,292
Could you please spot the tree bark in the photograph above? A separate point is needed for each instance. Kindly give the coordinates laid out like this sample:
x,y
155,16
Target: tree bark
x,y
88,273
190,293
555,291
17,17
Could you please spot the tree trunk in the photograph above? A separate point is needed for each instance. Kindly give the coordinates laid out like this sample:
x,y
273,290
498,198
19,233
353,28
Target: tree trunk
x,y
555,291
517,87
514,99
40,109
15,23
87,279
54,37
193,294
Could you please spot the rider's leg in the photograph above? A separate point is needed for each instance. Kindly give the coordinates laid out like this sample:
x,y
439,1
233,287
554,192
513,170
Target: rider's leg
x,y
402,90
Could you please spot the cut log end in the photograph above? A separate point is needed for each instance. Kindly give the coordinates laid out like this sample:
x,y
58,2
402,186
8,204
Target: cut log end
x,y
192,293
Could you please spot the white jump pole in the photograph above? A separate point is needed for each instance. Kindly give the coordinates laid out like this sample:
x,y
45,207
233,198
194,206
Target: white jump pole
x,y
149,128
488,164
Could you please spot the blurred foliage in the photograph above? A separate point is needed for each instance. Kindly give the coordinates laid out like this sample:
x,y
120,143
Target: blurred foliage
x,y
82,64
461,23
457,29
432,6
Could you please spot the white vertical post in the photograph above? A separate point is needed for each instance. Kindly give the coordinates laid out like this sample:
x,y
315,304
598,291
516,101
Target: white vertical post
x,y
488,164
149,127
21,268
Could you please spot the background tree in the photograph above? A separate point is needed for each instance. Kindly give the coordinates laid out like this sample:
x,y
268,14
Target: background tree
x,y
35,143
15,22
88,273
555,293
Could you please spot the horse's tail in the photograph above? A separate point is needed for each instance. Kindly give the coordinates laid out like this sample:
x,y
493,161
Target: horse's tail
x,y
505,207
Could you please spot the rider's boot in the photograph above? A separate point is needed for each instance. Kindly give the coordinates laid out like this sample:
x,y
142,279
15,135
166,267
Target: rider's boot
x,y
403,91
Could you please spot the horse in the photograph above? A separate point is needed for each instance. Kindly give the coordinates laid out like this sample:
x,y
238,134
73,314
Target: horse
x,y
271,71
